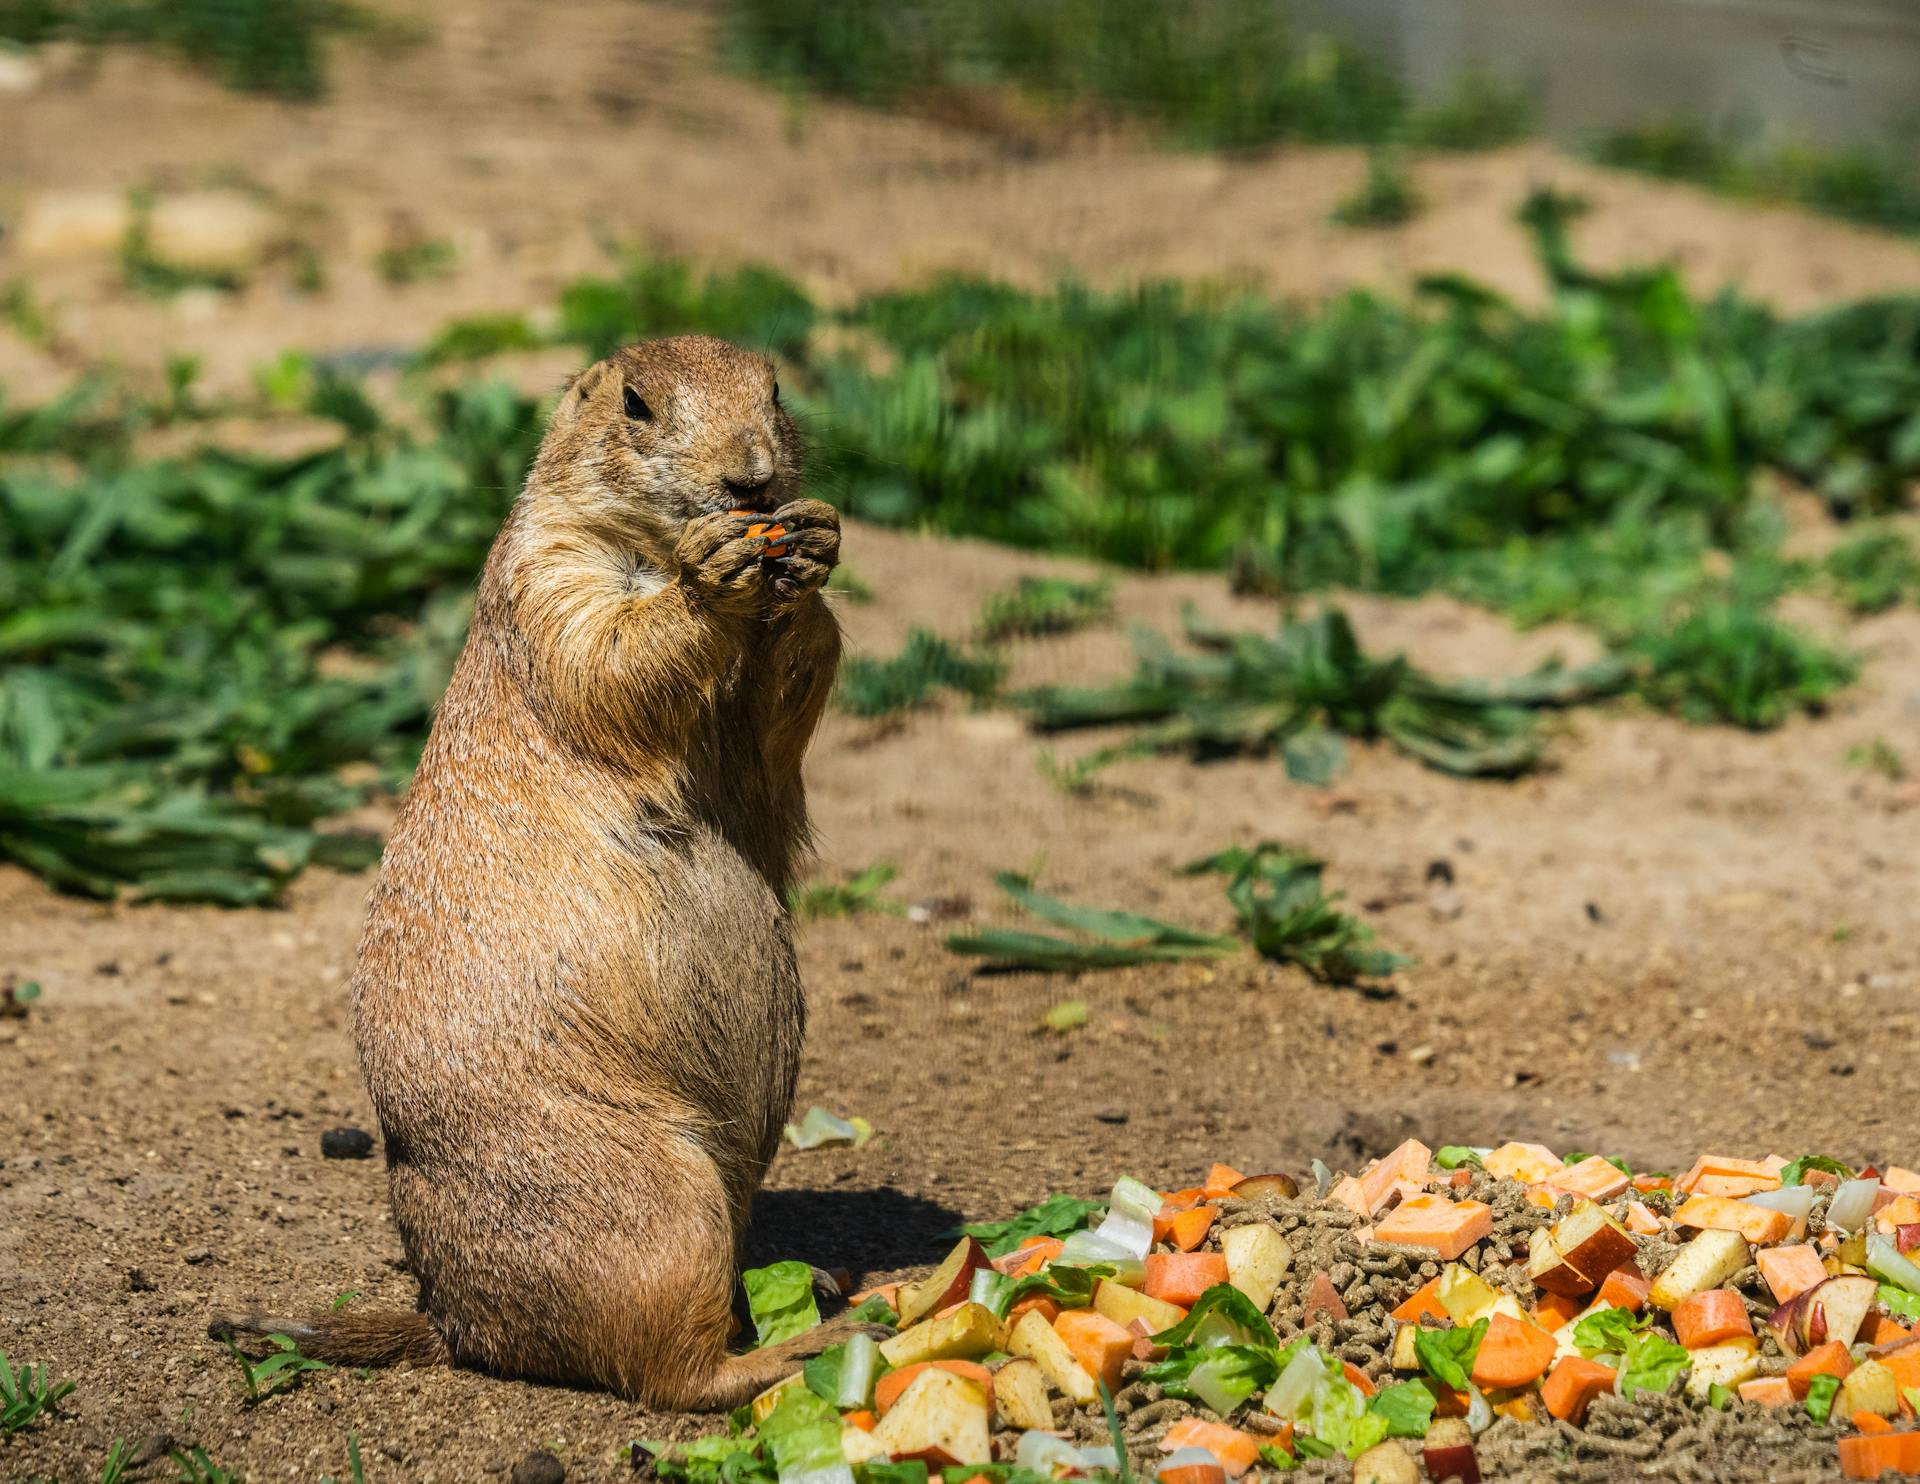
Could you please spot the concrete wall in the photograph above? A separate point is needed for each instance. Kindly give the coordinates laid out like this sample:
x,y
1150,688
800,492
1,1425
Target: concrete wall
x,y
1832,72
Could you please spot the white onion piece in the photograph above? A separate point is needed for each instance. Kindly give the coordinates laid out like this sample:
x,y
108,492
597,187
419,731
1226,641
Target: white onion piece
x,y
1290,1393
1852,1204
1885,1260
1084,1249
1479,1411
1046,1453
1322,1176
1128,1229
1795,1200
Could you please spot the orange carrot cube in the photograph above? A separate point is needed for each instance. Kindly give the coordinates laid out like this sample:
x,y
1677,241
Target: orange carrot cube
x,y
1512,1353
1767,1391
1424,1300
1447,1227
1710,1318
1098,1343
1572,1386
1757,1224
1221,1179
1790,1270
1830,1359
1189,1229
1626,1287
1236,1450
1181,1277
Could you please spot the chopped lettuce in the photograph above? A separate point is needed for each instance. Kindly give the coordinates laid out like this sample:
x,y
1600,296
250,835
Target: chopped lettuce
x,y
803,1438
1795,1173
780,1298
1652,1362
1406,1407
1338,1415
1056,1216
1447,1355
1820,1394
1453,1156
1608,1330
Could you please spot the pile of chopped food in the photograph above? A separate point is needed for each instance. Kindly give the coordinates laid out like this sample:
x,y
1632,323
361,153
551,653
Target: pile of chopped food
x,y
1454,1315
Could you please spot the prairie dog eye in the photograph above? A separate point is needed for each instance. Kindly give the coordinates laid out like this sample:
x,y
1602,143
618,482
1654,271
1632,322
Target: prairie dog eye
x,y
776,394
636,406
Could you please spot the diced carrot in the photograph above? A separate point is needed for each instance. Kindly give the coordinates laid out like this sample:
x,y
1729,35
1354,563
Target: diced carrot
x,y
1236,1450
1221,1179
1594,1178
1410,1162
1648,1184
1641,1221
1527,1163
1447,1402
1757,1224
1097,1342
1734,1186
1871,1456
887,1291
1626,1287
1447,1227
865,1421
1179,1200
1907,1182
1901,1211
1036,1254
1790,1270
1358,1377
1181,1277
1037,1303
1552,1310
1190,1228
1830,1359
886,1391
1512,1353
1882,1329
1573,1384
1424,1300
1346,1192
1726,1165
1193,1473
1710,1318
1870,1422
1905,1365
1767,1391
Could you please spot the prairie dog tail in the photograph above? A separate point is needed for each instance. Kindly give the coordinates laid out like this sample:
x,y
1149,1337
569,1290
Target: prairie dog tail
x,y
373,1337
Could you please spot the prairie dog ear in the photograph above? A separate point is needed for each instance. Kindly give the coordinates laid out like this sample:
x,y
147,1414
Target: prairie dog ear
x,y
577,393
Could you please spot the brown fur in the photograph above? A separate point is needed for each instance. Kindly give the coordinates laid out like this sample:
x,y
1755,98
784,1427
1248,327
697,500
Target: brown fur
x,y
576,1004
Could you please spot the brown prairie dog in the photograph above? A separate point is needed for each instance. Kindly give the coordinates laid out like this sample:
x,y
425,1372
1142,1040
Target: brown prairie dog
x,y
576,1003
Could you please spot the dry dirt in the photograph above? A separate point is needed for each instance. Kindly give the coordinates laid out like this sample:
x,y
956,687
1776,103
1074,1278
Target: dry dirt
x,y
1673,939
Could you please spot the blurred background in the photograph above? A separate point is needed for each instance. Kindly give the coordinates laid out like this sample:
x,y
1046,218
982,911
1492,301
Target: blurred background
x,y
1472,442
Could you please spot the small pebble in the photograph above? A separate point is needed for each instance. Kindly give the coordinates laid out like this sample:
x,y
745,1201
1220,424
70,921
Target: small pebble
x,y
346,1143
538,1467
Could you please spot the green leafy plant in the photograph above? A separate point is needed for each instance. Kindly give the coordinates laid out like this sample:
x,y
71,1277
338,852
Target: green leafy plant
x,y
119,1456
1386,198
1878,756
1874,571
16,999
281,1369
357,1471
860,892
28,1393
1289,916
925,665
197,1468
1876,185
417,261
1037,606
1299,692
1107,939
1057,1216
1733,662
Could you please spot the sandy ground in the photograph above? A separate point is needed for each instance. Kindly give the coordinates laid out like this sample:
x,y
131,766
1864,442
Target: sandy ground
x,y
1674,938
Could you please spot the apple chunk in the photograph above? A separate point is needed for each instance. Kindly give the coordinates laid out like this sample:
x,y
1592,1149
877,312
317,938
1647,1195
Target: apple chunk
x,y
1727,1365
941,1418
1020,1395
1257,1259
968,1333
1833,1310
1868,1387
1575,1256
1449,1451
947,1284
1706,1262
1037,1340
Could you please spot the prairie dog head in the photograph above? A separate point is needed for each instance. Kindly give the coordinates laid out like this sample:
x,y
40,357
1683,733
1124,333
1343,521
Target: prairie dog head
x,y
665,431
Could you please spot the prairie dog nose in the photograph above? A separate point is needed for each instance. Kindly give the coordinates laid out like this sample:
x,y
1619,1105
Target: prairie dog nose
x,y
754,471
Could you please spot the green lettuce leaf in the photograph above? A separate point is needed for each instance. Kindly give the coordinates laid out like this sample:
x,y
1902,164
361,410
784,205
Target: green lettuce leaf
x,y
1447,1355
1820,1394
780,1298
1406,1407
1056,1216
1609,1330
1796,1172
1652,1363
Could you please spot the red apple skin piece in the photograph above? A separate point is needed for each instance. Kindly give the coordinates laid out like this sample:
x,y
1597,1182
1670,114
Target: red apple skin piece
x,y
1323,1297
947,1284
1449,1451
1906,1238
1833,1310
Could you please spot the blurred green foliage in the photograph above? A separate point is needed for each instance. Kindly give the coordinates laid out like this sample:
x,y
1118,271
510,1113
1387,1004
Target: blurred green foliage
x,y
205,658
265,46
1878,185
1208,74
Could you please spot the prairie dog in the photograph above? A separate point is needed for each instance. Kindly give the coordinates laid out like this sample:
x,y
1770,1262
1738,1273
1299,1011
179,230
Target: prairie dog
x,y
576,1003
